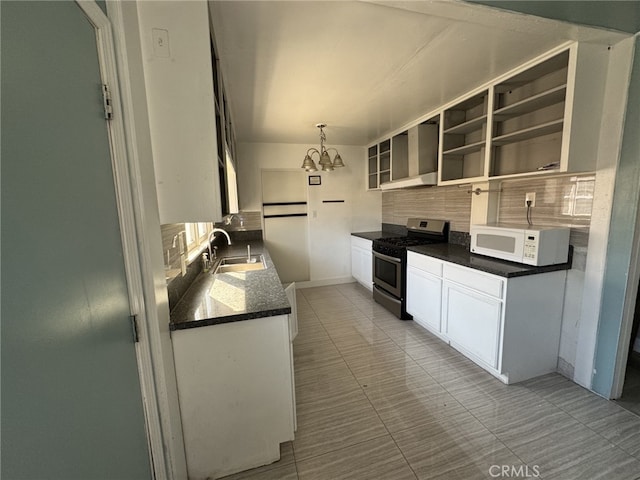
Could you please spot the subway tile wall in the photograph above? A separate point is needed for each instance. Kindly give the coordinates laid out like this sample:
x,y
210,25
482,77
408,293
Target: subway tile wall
x,y
445,203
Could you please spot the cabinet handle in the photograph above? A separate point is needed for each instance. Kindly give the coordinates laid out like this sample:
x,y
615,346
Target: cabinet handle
x,y
387,257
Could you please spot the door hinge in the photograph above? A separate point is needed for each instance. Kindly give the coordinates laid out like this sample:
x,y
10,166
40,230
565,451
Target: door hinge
x,y
134,328
106,98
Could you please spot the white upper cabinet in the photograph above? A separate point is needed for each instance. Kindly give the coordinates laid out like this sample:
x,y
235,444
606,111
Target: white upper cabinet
x,y
463,139
547,115
542,117
176,51
414,156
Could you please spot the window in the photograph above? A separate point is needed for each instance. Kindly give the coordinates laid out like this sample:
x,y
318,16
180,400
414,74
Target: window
x,y
197,235
232,185
578,197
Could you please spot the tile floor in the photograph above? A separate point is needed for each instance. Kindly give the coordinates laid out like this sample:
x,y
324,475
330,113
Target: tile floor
x,y
379,398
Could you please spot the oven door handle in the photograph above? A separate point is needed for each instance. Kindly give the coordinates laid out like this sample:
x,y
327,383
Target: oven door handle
x,y
387,257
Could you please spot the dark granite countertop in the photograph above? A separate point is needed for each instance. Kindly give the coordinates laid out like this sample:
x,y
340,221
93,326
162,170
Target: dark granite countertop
x,y
460,255
231,297
374,235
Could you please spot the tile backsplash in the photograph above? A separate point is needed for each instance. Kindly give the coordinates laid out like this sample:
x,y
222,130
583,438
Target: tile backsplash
x,y
244,221
444,203
561,200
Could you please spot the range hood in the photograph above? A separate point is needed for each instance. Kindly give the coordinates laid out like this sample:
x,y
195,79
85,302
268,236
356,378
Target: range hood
x,y
417,181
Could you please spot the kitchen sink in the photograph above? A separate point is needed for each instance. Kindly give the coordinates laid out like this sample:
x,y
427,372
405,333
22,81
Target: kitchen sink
x,y
241,264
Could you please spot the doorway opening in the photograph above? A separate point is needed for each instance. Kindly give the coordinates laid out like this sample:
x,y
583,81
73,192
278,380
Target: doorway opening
x,y
630,399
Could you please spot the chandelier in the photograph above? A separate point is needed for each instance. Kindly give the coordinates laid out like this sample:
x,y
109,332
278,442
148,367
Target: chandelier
x,y
325,162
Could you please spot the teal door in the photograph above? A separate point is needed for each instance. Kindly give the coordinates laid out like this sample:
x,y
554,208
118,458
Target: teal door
x,y
71,400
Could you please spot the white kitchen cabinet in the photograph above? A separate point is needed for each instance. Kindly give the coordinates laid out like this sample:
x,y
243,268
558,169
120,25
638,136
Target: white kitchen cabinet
x,y
472,322
414,156
290,290
424,294
361,261
463,139
235,387
176,52
545,114
540,119
372,167
508,326
536,119
424,291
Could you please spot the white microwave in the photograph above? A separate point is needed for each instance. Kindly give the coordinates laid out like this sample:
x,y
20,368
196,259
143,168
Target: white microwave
x,y
528,244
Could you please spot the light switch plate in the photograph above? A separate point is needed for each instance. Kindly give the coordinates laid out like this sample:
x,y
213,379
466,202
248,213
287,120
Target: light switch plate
x,y
160,38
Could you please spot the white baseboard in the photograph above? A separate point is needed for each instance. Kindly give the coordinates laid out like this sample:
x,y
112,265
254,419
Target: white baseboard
x,y
324,282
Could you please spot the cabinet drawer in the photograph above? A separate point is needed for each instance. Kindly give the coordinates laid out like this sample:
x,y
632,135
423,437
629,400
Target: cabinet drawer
x,y
425,263
474,279
361,242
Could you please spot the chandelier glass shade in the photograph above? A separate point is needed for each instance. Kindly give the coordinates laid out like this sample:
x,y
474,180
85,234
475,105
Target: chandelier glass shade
x,y
324,159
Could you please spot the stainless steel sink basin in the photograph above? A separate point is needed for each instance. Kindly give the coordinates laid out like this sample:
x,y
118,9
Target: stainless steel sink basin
x,y
241,264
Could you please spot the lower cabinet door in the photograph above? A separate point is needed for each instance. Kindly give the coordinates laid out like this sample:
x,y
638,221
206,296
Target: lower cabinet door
x,y
472,321
361,267
356,260
367,269
424,298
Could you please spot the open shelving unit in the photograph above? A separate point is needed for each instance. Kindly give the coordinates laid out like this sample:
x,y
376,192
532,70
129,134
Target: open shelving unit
x,y
400,155
531,104
463,139
385,161
528,119
372,171
528,133
537,119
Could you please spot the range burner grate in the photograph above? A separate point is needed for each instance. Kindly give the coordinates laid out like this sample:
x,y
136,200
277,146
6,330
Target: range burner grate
x,y
405,241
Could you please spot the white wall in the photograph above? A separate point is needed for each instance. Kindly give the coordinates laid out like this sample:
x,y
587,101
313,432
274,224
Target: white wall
x,y
329,223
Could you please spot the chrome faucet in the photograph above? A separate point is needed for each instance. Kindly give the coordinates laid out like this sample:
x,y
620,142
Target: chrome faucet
x,y
212,237
216,230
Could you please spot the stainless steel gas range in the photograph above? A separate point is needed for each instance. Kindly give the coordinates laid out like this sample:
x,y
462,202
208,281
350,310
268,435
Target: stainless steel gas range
x,y
390,262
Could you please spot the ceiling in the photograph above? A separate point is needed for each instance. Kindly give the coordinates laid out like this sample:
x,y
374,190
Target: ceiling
x,y
366,68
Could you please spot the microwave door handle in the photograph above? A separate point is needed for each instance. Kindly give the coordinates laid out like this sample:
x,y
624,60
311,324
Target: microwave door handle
x,y
387,257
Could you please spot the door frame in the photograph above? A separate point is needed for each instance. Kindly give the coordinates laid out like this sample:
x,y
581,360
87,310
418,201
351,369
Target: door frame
x,y
631,292
128,229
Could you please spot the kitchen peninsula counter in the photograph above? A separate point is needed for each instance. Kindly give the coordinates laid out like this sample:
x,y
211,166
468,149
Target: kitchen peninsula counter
x,y
220,298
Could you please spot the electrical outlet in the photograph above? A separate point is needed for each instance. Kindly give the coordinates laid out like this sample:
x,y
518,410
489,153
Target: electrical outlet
x,y
530,197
